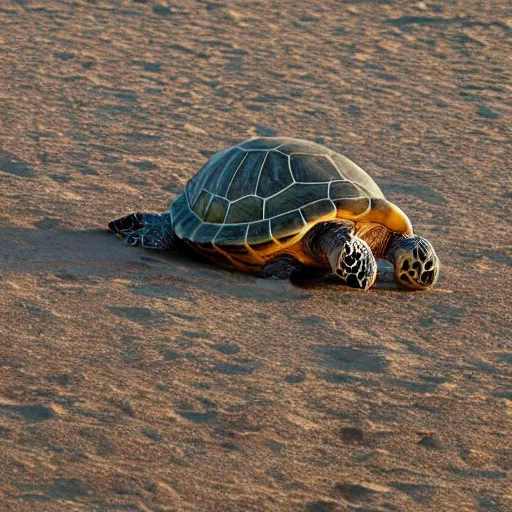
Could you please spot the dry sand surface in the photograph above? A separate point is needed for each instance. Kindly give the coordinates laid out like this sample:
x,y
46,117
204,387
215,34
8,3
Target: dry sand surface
x,y
138,381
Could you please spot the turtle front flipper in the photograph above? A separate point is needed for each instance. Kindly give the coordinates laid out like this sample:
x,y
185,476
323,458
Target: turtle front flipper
x,y
350,257
149,230
355,263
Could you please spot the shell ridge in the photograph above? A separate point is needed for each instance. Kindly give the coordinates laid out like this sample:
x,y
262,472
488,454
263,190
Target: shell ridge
x,y
290,169
245,197
316,182
192,211
359,176
336,167
209,202
329,193
195,230
307,154
277,193
259,173
276,241
235,173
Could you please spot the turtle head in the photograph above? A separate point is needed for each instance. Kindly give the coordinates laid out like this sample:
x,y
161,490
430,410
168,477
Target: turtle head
x,y
415,261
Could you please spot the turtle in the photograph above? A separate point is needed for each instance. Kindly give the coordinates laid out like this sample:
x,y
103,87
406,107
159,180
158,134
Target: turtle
x,y
287,208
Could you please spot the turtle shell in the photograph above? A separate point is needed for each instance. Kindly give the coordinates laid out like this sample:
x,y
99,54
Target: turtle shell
x,y
252,200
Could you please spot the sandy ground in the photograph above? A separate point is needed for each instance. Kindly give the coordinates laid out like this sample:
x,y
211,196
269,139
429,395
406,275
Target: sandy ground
x,y
138,381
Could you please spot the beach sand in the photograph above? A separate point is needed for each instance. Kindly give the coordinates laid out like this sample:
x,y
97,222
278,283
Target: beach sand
x,y
139,381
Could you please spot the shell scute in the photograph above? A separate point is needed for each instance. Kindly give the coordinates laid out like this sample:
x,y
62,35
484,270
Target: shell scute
x,y
179,209
247,209
287,225
352,172
202,203
231,235
222,174
245,178
355,206
313,168
187,225
318,209
296,196
259,233
217,210
303,147
211,170
275,174
343,189
205,233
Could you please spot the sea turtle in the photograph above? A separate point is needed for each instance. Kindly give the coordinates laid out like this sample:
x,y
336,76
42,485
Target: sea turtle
x,y
282,207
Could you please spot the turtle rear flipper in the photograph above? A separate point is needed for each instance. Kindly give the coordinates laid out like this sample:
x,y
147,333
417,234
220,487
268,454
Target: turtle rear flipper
x,y
149,230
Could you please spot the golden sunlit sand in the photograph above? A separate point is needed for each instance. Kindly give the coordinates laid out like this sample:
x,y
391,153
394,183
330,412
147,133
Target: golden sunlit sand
x,y
139,381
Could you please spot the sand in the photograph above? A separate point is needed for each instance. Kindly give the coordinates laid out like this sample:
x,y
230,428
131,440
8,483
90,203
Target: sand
x,y
140,381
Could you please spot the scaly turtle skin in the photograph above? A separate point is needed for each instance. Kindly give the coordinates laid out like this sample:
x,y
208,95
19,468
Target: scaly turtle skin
x,y
282,207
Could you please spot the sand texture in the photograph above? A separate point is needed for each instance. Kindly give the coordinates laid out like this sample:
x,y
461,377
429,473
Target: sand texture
x,y
138,381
